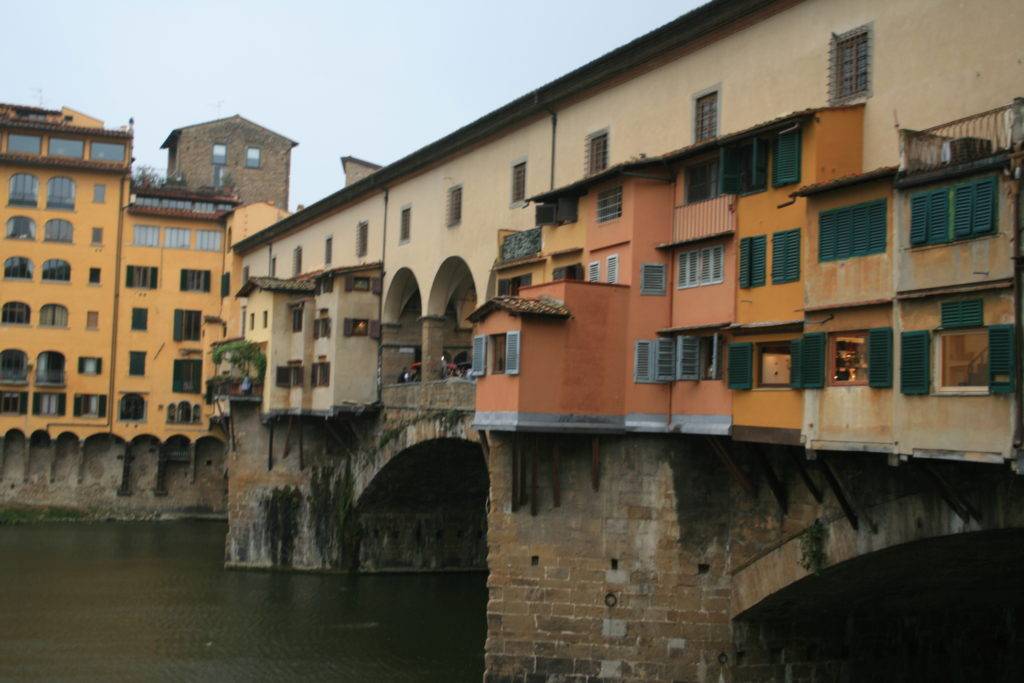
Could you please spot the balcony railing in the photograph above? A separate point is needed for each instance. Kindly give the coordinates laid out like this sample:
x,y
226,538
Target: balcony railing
x,y
14,376
50,377
709,218
521,244
962,141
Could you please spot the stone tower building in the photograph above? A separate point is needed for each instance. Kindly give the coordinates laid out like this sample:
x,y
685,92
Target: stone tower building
x,y
232,153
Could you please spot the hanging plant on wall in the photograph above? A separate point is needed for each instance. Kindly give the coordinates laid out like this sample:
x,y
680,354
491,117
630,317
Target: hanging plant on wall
x,y
812,547
246,358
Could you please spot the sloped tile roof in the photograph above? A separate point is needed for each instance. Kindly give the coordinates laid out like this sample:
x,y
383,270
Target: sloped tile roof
x,y
846,181
273,284
517,305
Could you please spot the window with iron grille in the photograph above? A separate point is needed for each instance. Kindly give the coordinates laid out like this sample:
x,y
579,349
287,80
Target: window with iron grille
x,y
705,117
596,152
609,204
297,261
362,238
405,230
519,182
454,206
850,68
328,250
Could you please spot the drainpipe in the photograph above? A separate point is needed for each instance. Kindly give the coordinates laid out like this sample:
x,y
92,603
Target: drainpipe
x,y
1016,211
380,302
554,130
122,207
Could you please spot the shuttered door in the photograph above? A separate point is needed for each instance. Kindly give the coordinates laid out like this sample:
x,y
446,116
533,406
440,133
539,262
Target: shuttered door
x,y
1001,359
787,159
687,354
741,365
812,361
880,357
512,353
479,356
915,363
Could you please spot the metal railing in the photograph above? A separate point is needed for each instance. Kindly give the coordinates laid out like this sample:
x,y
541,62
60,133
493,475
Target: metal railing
x,y
12,375
50,377
707,218
958,142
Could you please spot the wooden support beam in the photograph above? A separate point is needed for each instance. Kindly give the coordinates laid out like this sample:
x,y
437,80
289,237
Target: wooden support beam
x,y
302,432
288,437
556,485
595,463
722,451
270,445
837,489
777,489
946,492
805,476
515,473
522,472
533,482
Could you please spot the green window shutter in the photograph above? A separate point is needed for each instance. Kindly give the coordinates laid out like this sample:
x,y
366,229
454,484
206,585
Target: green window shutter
x,y
153,272
741,365
880,357
665,370
827,236
728,171
479,355
129,277
81,364
225,284
938,216
786,169
919,219
985,207
812,361
136,363
963,210
22,402
512,353
76,409
102,412
643,370
176,379
759,164
844,234
877,227
688,357
184,280
197,375
37,400
796,363
958,314
1001,359
758,249
785,256
778,258
861,230
62,404
793,255
179,316
915,363
206,281
744,267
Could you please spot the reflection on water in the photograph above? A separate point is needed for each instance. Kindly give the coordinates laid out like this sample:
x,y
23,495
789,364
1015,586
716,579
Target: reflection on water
x,y
137,601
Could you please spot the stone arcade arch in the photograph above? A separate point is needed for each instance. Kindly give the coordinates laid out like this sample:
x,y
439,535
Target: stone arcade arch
x,y
453,296
401,331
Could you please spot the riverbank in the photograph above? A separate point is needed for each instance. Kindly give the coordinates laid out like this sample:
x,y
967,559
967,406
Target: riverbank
x,y
11,515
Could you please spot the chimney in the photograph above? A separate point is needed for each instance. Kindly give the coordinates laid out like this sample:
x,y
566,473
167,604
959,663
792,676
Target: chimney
x,y
356,169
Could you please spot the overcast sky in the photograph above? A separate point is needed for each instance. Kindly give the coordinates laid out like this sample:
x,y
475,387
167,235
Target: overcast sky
x,y
375,80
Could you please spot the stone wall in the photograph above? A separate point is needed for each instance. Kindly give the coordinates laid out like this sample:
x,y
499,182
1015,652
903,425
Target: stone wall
x,y
90,476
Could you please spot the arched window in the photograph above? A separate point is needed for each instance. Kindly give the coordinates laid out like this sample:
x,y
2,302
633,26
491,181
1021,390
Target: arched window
x,y
13,365
57,230
21,228
133,407
184,412
60,193
23,190
18,268
172,413
53,315
50,368
195,412
56,270
16,313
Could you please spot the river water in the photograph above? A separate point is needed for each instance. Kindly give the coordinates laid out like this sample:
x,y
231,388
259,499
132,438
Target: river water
x,y
151,602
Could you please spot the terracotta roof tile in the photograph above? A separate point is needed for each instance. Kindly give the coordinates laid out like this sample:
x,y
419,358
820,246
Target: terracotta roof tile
x,y
29,124
846,181
136,210
64,162
273,284
517,305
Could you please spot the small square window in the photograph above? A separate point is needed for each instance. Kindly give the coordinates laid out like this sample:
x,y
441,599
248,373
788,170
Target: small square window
x,y
252,157
775,363
849,352
140,319
99,193
94,276
220,154
92,320
97,236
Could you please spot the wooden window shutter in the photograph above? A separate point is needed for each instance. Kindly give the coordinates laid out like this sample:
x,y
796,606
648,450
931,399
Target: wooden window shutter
x,y
76,406
22,402
37,401
512,353
793,255
963,210
759,163
786,169
688,357
919,219
666,359
153,273
938,216
880,357
81,365
283,376
102,406
741,365
861,230
985,206
728,171
959,314
915,362
347,327
877,228
374,329
643,370
176,379
652,279
178,324
745,263
62,404
758,248
612,269
99,365
225,284
129,277
479,367
1001,359
504,287
779,246
812,360
844,234
183,280
376,285
796,363
207,281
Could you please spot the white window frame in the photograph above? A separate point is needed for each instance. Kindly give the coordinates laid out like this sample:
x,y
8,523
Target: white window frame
x,y
612,269
594,271
177,238
208,240
692,263
145,236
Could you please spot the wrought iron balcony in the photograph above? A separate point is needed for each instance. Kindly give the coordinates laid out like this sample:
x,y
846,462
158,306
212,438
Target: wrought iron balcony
x,y
708,218
14,376
962,141
55,378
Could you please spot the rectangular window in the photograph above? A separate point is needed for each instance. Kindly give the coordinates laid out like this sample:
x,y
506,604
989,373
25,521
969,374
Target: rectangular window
x,y
652,279
357,327
322,327
94,276
964,360
195,280
97,236
596,152
362,238
702,181
497,345
177,238
974,212
252,157
405,229
320,374
140,319
743,168
609,204
360,284
187,325
187,376
141,277
849,353
594,271
785,256
49,404
850,72
774,362
700,267
273,266
137,363
705,117
297,318
99,193
225,285
60,147
92,320
454,206
296,375
90,405
23,144
89,365
328,250
851,231
13,402
786,155
208,240
220,154
106,151
519,182
512,285
146,236
571,272
297,261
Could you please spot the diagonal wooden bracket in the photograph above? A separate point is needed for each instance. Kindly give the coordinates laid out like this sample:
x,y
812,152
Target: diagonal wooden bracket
x,y
840,494
729,461
805,476
777,489
963,509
